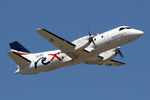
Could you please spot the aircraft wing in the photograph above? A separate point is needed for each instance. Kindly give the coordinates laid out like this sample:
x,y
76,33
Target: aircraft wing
x,y
62,44
95,60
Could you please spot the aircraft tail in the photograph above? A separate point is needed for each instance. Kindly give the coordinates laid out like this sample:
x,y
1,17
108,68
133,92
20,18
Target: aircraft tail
x,y
18,47
20,55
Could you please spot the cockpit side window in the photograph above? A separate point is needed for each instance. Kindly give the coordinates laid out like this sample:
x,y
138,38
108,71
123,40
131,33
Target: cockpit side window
x,y
122,28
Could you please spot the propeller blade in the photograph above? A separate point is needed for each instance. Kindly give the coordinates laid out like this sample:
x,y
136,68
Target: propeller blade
x,y
91,38
120,53
89,33
94,43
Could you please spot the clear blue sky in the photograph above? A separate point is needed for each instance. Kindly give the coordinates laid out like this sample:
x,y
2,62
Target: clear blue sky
x,y
72,19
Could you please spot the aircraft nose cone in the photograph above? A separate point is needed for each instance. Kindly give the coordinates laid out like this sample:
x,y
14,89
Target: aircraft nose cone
x,y
135,34
140,32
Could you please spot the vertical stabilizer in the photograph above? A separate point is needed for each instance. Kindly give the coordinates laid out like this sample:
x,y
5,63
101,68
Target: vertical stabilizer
x,y
18,47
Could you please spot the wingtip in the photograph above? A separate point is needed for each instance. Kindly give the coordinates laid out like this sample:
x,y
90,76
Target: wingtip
x,y
39,29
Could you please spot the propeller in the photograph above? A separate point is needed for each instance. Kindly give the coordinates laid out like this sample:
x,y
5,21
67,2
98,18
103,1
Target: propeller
x,y
119,52
91,38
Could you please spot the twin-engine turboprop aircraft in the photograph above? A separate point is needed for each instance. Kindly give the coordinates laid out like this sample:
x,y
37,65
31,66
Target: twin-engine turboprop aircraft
x,y
99,49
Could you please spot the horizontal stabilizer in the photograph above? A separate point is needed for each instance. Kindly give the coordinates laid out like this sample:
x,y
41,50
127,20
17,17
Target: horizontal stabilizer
x,y
18,59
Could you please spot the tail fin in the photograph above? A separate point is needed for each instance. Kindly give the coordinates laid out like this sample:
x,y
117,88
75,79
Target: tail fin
x,y
18,47
20,55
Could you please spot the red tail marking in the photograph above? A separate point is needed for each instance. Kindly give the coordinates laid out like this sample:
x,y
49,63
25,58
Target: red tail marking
x,y
22,53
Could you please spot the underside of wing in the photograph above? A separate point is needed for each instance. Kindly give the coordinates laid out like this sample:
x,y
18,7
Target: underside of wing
x,y
95,60
62,44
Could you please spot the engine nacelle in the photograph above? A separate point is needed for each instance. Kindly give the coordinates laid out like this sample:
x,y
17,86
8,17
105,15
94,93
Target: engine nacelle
x,y
81,43
108,54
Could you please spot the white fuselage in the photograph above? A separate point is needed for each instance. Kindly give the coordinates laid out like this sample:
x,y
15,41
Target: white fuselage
x,y
51,60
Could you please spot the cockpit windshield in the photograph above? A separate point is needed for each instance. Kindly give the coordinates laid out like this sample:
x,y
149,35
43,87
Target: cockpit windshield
x,y
122,28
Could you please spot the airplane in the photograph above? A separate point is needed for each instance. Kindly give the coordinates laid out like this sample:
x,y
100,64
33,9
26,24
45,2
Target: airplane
x,y
91,49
